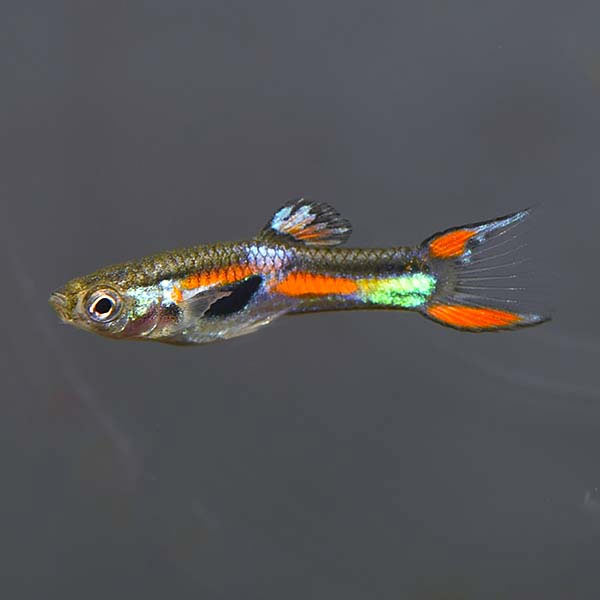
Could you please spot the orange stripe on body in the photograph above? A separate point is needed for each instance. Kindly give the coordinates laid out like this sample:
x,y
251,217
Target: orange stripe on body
x,y
451,244
471,317
176,294
216,276
302,284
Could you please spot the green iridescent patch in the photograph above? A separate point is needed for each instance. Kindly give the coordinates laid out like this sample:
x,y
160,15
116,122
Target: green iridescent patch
x,y
405,291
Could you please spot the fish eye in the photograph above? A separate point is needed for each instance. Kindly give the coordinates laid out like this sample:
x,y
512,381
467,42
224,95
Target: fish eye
x,y
103,305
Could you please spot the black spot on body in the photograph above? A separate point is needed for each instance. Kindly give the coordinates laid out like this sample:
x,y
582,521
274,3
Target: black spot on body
x,y
241,294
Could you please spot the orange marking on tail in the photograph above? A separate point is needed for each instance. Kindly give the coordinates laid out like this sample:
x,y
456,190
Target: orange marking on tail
x,y
216,276
451,244
301,284
471,317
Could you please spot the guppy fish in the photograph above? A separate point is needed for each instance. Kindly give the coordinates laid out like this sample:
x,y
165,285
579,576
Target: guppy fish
x,y
214,292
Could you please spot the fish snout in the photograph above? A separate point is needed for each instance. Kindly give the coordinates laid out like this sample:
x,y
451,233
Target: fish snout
x,y
58,302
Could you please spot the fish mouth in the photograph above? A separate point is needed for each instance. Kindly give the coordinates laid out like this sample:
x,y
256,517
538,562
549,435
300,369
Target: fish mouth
x,y
58,302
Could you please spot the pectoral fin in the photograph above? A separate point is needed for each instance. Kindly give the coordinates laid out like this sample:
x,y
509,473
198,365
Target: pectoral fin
x,y
223,300
199,305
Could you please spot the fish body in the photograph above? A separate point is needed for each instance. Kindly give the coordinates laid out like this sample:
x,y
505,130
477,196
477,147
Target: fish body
x,y
295,265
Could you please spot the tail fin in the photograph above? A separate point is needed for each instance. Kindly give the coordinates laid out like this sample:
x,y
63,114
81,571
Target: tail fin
x,y
476,268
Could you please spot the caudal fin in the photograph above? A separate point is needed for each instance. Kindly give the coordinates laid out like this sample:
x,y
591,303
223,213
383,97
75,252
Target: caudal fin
x,y
478,272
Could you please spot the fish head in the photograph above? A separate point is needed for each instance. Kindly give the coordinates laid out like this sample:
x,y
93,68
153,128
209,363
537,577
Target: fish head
x,y
98,306
105,304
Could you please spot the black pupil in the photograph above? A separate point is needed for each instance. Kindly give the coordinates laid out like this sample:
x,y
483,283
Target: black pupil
x,y
103,306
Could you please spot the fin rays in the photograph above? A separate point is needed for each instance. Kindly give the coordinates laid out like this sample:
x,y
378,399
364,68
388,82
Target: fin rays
x,y
472,297
503,266
305,222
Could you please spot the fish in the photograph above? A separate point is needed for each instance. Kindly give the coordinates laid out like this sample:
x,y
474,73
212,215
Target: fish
x,y
297,265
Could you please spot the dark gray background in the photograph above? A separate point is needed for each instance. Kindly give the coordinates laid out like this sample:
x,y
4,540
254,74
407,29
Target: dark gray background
x,y
351,456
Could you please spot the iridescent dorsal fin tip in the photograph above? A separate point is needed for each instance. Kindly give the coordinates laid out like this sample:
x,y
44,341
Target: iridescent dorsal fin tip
x,y
305,222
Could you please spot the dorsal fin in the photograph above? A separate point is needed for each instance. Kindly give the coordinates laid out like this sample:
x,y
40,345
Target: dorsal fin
x,y
305,222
